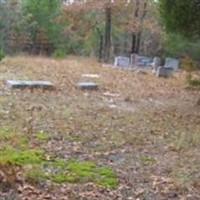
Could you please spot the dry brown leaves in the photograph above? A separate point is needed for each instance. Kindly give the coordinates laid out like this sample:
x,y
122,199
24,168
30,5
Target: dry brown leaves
x,y
132,123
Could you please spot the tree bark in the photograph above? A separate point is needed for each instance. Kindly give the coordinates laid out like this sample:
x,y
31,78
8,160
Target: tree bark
x,y
136,14
139,34
107,43
101,47
133,43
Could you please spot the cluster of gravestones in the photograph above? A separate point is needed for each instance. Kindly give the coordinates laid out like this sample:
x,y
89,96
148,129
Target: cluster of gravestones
x,y
135,61
145,62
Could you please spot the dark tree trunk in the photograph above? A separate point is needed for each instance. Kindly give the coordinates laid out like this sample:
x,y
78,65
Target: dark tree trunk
x,y
107,43
137,44
139,34
101,48
136,14
133,43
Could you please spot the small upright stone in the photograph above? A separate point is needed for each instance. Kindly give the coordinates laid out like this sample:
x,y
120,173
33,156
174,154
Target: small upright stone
x,y
156,63
87,85
164,72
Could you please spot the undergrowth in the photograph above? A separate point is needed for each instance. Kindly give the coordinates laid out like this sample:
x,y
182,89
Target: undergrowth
x,y
36,166
193,82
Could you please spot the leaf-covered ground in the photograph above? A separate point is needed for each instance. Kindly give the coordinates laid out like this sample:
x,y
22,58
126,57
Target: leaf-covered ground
x,y
137,137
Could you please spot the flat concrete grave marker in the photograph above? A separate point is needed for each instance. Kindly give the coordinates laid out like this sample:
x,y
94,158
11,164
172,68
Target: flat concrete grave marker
x,y
172,63
90,75
19,84
164,72
121,61
87,85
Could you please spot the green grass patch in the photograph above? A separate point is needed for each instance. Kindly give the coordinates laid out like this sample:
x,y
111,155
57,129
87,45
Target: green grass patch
x,y
67,113
19,157
147,160
7,132
184,141
11,137
74,171
15,151
41,136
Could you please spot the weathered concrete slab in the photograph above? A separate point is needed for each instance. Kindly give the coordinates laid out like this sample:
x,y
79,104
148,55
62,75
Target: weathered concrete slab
x,y
87,85
29,84
90,75
164,72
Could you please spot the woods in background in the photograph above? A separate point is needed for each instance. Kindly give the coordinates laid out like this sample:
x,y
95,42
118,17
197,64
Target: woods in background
x,y
96,28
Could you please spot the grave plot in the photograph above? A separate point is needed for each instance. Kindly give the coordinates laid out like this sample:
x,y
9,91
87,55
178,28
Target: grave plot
x,y
19,84
164,72
90,75
87,85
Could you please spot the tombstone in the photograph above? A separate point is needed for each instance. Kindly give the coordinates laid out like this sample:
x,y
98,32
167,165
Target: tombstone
x,y
133,60
122,61
164,72
87,85
156,63
172,63
144,61
29,84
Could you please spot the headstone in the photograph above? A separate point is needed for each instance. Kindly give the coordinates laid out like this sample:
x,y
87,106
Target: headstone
x,y
122,61
90,75
156,63
29,84
172,63
144,61
87,85
133,60
164,72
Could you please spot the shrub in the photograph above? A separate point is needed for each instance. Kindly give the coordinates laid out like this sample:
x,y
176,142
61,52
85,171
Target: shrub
x,y
2,54
59,53
188,64
193,82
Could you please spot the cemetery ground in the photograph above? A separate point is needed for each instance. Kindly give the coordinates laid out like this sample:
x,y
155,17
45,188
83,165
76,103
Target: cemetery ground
x,y
136,137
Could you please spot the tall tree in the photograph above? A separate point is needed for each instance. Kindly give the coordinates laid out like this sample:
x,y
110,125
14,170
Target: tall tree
x,y
9,20
182,16
107,44
41,20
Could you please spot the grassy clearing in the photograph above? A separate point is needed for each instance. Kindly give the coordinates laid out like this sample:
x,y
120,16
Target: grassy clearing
x,y
150,128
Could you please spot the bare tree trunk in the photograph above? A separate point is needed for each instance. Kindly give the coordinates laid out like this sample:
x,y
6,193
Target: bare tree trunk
x,y
107,43
101,47
136,14
137,44
137,48
133,43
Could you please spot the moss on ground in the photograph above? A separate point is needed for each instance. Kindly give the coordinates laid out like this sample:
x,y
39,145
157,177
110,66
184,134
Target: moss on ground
x,y
36,167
